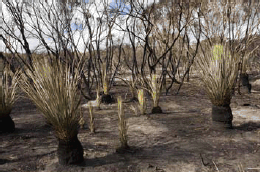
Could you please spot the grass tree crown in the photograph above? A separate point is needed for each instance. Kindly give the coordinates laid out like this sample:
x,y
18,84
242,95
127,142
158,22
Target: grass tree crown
x,y
218,70
54,91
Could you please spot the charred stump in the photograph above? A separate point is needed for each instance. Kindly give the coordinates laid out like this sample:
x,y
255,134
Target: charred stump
x,y
107,99
156,109
222,116
70,151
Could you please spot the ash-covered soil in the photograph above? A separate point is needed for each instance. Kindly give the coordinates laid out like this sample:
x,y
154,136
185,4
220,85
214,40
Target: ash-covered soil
x,y
180,139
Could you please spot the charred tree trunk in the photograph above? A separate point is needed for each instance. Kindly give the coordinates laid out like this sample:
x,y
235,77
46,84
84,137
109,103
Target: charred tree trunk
x,y
70,151
222,116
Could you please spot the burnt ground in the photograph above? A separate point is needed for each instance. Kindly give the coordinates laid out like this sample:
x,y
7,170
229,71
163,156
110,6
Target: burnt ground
x,y
181,139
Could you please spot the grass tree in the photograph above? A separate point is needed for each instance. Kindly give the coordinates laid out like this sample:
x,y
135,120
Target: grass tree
x,y
133,89
106,98
156,91
142,101
54,91
98,98
122,126
91,118
218,69
8,87
154,88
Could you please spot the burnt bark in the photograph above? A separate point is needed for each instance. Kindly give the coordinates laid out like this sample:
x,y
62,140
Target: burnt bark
x,y
70,151
222,116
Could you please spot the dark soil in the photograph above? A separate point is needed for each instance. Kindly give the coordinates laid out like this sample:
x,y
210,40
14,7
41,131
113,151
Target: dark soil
x,y
180,139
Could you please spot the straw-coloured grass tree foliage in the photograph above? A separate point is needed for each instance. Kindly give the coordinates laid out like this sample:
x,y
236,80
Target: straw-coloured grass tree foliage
x,y
156,91
142,101
91,118
155,85
122,126
98,98
219,68
106,98
53,89
8,87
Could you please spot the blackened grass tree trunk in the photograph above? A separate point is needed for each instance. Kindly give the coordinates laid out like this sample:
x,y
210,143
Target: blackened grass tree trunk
x,y
55,93
70,151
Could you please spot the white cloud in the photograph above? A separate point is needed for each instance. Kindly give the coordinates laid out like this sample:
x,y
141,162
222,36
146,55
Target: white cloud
x,y
79,36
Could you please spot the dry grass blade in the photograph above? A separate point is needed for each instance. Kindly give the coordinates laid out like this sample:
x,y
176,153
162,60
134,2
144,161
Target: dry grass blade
x,y
53,89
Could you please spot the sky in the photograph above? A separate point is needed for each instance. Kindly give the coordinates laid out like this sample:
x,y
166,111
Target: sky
x,y
76,24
